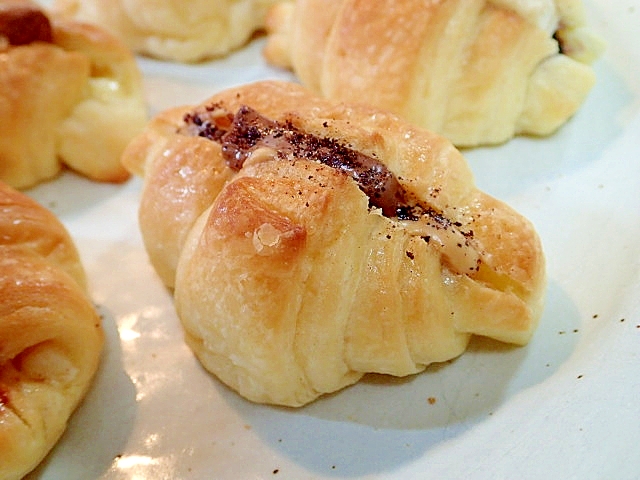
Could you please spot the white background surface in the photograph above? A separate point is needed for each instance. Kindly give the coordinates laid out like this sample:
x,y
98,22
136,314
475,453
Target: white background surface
x,y
566,406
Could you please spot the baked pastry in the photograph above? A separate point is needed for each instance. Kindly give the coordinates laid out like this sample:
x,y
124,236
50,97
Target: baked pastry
x,y
477,72
50,333
174,30
309,242
70,94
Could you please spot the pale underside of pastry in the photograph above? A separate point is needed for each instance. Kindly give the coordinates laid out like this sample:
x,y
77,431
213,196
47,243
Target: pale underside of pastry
x,y
174,30
293,276
50,333
71,96
475,71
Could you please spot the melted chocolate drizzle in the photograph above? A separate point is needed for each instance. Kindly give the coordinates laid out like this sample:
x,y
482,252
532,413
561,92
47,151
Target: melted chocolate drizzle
x,y
240,134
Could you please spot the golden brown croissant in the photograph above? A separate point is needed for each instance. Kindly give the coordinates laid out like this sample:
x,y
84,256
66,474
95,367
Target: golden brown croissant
x,y
70,94
310,242
175,30
477,72
50,333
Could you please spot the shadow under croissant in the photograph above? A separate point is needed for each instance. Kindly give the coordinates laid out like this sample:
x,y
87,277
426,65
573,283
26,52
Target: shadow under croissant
x,y
383,422
507,170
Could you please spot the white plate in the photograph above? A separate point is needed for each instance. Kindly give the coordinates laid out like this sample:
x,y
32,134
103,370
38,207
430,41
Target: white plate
x,y
565,406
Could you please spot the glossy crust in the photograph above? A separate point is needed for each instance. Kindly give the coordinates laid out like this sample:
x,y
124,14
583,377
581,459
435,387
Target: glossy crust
x,y
290,286
175,30
477,72
74,101
50,333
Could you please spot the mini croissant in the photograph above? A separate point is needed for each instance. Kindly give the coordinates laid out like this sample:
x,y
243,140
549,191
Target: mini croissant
x,y
310,242
50,333
70,94
477,72
174,30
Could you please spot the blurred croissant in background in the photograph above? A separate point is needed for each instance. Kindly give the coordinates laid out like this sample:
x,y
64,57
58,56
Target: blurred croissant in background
x,y
475,71
71,95
174,30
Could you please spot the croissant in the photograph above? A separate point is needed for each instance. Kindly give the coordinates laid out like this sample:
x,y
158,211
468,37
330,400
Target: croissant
x,y
477,72
174,30
71,95
309,242
50,333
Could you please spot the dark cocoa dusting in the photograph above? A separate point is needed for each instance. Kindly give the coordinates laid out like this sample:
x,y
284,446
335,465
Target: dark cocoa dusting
x,y
22,25
249,130
242,133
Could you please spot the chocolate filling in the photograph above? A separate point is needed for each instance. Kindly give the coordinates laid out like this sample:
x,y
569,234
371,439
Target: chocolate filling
x,y
242,133
22,25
